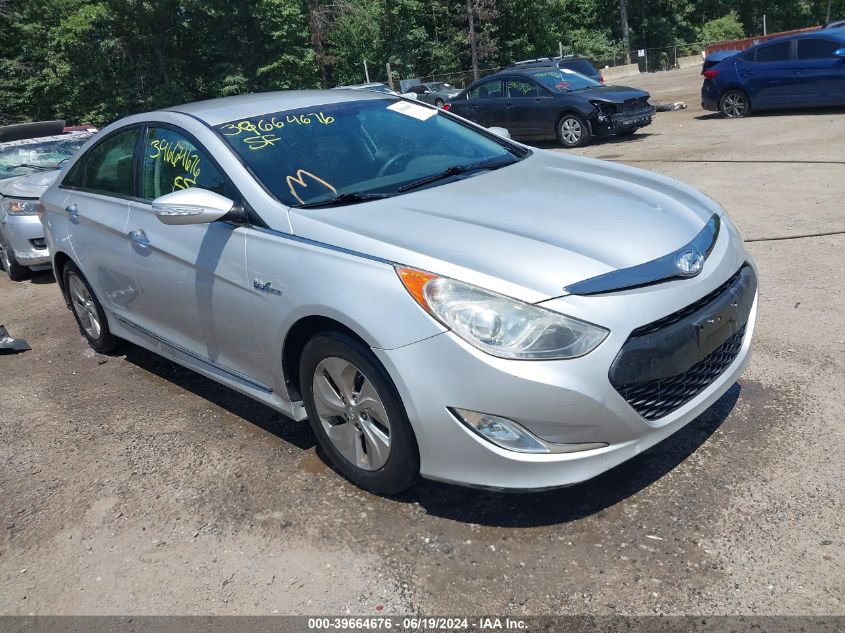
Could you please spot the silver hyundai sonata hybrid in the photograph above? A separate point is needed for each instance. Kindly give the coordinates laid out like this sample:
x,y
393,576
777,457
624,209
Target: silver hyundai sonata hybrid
x,y
435,299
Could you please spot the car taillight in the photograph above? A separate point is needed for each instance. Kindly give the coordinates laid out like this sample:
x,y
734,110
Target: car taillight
x,y
710,74
446,106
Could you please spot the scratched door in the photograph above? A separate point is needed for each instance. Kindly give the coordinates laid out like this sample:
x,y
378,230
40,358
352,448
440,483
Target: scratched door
x,y
193,290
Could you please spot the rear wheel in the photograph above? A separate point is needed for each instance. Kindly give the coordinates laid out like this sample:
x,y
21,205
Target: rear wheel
x,y
15,271
573,131
87,310
438,102
357,414
734,104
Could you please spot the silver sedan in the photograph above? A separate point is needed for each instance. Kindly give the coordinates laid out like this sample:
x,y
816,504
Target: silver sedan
x,y
436,300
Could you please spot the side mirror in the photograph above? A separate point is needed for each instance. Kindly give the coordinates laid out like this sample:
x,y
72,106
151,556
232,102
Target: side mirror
x,y
839,52
191,206
500,131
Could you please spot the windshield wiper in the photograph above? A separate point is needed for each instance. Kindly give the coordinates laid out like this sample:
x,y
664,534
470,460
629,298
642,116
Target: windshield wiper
x,y
342,198
33,166
456,170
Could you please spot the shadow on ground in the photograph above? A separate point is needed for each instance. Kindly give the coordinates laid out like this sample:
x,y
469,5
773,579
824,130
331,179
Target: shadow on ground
x,y
534,509
297,433
483,507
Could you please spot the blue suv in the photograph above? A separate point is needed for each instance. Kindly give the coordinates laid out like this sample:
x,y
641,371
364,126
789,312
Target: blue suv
x,y
803,70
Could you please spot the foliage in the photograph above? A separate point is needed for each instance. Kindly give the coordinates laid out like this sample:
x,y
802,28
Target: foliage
x,y
727,27
98,60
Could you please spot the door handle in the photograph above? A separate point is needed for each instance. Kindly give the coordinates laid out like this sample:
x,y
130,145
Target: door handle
x,y
140,238
72,212
509,106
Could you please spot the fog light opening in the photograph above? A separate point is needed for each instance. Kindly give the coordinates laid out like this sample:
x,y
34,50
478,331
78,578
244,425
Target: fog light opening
x,y
502,432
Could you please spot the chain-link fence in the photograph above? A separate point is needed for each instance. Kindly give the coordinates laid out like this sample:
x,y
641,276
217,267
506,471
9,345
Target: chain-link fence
x,y
649,60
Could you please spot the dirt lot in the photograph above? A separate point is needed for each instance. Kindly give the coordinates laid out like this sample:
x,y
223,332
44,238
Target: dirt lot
x,y
130,485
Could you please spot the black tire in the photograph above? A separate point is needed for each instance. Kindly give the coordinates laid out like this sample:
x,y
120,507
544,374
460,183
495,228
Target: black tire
x,y
438,102
105,341
735,104
401,469
15,271
573,131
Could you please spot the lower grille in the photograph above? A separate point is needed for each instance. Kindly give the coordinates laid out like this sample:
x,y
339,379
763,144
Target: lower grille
x,y
39,242
634,105
658,398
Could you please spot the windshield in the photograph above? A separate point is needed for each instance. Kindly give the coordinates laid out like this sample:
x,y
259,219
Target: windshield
x,y
372,146
437,86
564,80
23,157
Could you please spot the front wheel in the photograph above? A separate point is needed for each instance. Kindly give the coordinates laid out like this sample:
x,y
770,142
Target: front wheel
x,y
15,271
357,415
734,104
573,131
438,102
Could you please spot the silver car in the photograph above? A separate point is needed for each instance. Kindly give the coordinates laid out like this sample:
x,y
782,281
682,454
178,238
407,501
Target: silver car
x,y
27,167
436,300
434,92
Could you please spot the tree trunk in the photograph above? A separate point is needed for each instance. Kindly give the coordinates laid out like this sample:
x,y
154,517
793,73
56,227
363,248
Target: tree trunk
x,y
472,43
623,16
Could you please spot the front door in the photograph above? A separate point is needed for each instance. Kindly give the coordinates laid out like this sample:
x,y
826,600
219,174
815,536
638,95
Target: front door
x,y
526,107
821,75
193,289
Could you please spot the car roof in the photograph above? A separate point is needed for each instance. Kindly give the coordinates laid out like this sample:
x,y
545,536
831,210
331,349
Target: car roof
x,y
225,109
835,33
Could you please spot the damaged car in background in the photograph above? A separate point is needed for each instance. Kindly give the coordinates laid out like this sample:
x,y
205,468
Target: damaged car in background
x,y
547,102
31,155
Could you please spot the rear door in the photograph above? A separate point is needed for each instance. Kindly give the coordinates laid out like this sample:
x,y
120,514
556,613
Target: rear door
x,y
527,107
820,75
94,209
193,290
771,78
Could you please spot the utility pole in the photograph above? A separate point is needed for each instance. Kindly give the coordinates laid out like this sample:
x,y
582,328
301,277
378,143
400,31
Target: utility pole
x,y
827,19
764,25
472,42
366,72
623,16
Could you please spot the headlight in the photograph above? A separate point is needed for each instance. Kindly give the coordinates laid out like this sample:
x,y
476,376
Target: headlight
x,y
19,207
498,325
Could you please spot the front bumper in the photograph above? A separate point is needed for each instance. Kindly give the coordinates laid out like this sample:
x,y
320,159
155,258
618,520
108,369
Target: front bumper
x,y
25,234
631,120
565,402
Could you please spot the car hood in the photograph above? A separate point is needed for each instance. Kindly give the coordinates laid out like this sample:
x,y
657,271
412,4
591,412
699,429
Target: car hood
x,y
29,185
612,94
527,230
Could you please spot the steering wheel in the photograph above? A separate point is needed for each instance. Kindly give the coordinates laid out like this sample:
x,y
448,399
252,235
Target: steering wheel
x,y
391,162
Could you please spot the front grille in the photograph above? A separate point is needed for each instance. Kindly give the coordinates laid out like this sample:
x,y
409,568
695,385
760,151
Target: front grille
x,y
39,243
635,105
658,398
683,313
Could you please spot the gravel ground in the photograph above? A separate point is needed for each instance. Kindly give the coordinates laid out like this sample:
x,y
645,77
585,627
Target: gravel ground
x,y
129,485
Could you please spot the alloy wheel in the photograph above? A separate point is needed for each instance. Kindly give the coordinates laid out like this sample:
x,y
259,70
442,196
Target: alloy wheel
x,y
352,413
571,131
734,105
83,307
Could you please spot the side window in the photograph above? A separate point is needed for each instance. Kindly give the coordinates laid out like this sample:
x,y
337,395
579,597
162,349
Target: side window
x,y
172,162
487,90
816,49
516,88
774,53
108,165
